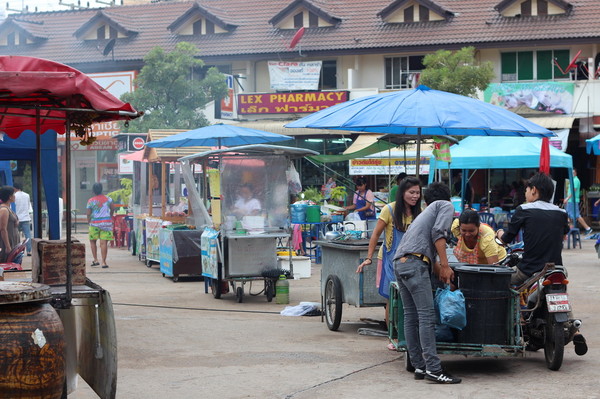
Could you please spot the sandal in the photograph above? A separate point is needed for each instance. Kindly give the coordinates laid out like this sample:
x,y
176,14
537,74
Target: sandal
x,y
94,263
581,347
105,266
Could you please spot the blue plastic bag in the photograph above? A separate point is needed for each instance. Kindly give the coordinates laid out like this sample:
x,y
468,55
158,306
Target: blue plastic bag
x,y
451,305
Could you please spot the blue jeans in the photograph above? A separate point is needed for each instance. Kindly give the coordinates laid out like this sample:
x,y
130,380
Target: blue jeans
x,y
414,281
25,227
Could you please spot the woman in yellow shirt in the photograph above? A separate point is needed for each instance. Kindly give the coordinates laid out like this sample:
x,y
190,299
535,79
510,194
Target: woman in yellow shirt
x,y
476,240
394,219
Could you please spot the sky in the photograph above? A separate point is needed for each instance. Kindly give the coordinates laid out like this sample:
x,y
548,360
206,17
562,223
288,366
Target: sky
x,y
46,5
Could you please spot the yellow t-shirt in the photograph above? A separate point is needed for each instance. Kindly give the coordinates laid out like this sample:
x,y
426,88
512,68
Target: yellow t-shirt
x,y
487,243
387,218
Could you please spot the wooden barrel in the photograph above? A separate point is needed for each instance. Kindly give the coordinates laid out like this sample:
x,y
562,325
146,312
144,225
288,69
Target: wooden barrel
x,y
32,353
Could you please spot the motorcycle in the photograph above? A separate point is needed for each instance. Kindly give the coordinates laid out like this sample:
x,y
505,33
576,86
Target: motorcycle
x,y
545,309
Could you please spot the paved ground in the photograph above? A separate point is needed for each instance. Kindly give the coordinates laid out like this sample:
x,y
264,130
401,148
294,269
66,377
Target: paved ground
x,y
176,341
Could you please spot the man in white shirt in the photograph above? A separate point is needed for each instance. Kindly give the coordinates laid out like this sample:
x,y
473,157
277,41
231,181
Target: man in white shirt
x,y
23,209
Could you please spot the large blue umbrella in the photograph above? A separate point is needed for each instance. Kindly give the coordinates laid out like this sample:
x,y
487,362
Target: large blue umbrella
x,y
218,135
592,145
422,112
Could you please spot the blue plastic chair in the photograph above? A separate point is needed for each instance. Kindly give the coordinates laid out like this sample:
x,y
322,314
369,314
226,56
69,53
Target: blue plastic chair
x,y
488,218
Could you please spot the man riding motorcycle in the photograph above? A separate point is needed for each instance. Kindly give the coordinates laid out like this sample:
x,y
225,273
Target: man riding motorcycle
x,y
544,227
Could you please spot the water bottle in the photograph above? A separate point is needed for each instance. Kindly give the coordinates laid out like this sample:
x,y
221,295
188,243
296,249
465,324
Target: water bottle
x,y
282,291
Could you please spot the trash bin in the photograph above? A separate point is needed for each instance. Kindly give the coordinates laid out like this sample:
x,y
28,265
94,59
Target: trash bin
x,y
487,299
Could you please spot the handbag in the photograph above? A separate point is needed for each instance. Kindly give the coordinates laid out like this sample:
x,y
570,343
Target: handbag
x,y
451,307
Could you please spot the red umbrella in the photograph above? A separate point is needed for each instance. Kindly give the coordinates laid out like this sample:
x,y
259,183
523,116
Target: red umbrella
x,y
39,95
545,156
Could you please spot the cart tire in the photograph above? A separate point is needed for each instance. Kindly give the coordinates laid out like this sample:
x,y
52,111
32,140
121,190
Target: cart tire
x,y
215,288
239,294
269,290
333,302
554,347
164,275
175,279
148,263
408,364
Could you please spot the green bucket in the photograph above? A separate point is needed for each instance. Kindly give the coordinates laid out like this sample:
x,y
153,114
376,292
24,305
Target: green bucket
x,y
313,214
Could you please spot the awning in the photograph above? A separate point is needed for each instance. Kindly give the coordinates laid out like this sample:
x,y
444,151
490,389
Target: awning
x,y
554,122
168,154
278,127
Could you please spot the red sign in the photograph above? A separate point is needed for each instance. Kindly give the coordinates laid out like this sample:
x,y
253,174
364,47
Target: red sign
x,y
289,103
138,143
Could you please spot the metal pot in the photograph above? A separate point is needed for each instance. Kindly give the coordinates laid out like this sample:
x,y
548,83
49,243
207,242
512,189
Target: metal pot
x,y
332,235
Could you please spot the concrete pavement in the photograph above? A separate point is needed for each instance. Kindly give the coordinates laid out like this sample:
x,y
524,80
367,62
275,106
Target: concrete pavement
x,y
176,341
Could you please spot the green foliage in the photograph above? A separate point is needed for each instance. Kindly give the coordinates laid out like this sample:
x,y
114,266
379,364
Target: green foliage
x,y
456,72
122,195
339,193
170,94
312,194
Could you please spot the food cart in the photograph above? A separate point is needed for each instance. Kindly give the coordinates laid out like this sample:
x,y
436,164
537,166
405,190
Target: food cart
x,y
153,185
243,203
341,284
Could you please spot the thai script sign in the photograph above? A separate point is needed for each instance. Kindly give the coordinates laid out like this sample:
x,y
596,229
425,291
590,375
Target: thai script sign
x,y
289,103
294,75
384,166
532,98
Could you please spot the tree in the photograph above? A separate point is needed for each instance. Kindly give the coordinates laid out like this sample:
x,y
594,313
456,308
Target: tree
x,y
169,92
456,72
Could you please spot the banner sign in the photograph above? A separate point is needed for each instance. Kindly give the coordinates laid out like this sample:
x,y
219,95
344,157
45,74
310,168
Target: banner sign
x,y
532,98
384,166
561,140
227,103
289,103
294,75
125,165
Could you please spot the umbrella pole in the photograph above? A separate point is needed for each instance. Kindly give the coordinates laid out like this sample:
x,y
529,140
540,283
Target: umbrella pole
x,y
38,172
418,160
69,285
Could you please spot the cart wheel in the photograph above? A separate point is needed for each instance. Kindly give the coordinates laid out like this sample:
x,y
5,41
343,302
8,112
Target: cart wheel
x,y
215,287
239,294
407,364
148,263
164,275
175,279
333,302
269,290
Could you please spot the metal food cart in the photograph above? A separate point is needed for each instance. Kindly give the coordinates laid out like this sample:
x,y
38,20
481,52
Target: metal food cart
x,y
341,284
242,233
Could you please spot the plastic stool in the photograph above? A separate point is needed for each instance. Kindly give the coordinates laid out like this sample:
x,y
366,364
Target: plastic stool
x,y
576,236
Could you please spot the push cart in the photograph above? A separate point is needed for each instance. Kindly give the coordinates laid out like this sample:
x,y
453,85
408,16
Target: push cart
x,y
242,201
493,316
341,284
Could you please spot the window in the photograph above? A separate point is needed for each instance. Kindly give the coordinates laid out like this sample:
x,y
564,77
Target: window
x,y
10,39
542,6
328,75
402,72
210,27
409,14
299,20
313,20
100,32
520,66
197,27
423,13
526,8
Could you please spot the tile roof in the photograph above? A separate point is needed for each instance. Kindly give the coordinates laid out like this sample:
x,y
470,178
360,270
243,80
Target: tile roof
x,y
361,30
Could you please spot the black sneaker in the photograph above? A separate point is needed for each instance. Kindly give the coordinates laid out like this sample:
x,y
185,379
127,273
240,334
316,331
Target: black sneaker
x,y
588,231
441,377
419,374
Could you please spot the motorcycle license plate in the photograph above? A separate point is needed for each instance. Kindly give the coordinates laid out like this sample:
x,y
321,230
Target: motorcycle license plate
x,y
558,303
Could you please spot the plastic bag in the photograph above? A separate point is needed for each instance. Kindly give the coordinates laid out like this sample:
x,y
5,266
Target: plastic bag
x,y
301,309
352,216
451,307
293,180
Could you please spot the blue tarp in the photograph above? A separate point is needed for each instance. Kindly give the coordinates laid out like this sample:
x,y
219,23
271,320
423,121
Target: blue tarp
x,y
479,152
592,145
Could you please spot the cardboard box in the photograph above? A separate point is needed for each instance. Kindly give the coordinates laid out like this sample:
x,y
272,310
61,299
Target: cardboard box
x,y
49,262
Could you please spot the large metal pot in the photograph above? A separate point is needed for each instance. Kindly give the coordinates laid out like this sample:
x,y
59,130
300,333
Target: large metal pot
x,y
332,235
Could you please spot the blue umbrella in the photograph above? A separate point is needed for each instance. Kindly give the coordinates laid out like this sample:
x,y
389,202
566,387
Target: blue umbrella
x,y
592,145
422,112
218,135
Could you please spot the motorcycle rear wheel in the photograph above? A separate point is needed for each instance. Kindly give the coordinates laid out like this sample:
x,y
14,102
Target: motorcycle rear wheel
x,y
554,345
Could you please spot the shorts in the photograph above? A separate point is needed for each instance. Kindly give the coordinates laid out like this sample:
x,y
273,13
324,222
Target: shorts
x,y
96,233
573,213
